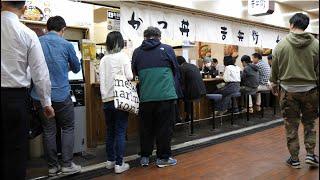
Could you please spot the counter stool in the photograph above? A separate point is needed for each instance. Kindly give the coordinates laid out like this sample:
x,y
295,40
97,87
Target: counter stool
x,y
234,97
214,98
264,94
246,96
190,115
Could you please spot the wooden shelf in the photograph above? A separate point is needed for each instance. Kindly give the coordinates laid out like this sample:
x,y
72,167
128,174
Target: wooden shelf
x,y
44,23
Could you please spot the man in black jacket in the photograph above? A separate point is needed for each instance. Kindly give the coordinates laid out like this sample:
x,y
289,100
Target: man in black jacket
x,y
192,84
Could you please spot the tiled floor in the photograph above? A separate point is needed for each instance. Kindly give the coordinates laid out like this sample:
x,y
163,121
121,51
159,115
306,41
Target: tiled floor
x,y
38,167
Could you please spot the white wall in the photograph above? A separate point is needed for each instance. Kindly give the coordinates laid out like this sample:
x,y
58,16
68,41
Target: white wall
x,y
238,9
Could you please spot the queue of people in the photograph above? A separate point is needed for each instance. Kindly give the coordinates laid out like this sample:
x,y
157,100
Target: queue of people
x,y
160,85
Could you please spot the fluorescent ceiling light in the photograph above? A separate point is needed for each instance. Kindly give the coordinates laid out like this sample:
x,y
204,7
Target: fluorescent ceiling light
x,y
293,13
313,10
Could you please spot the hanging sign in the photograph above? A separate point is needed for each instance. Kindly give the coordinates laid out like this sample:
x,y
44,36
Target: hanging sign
x,y
260,7
181,28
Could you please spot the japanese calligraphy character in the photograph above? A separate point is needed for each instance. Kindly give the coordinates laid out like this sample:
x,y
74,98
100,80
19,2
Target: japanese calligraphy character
x,y
252,3
278,39
184,27
263,3
255,36
240,35
224,32
257,2
165,24
135,24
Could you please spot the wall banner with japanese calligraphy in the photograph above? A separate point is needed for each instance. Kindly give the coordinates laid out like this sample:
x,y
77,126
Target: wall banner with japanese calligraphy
x,y
178,28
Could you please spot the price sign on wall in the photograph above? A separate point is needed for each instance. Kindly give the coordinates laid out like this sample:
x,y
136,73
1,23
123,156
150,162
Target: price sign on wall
x,y
113,15
113,20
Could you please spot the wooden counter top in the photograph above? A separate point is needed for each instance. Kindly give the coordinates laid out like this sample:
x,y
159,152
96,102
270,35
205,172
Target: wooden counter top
x,y
97,84
212,79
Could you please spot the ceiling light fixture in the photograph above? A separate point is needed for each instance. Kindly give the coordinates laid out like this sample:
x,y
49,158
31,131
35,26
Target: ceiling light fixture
x,y
313,10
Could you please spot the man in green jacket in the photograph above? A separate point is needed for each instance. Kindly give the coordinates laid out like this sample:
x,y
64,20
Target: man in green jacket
x,y
296,68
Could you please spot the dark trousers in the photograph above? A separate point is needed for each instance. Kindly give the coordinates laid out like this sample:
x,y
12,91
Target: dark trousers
x,y
14,133
64,118
226,91
156,122
117,123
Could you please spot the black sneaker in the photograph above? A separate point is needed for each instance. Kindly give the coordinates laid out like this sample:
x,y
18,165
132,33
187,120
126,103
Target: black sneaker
x,y
312,160
293,163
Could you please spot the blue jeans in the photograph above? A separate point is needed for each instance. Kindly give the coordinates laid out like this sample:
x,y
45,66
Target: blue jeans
x,y
117,123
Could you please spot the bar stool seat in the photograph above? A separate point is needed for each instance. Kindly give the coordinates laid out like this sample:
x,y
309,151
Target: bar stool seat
x,y
233,99
214,98
263,94
247,94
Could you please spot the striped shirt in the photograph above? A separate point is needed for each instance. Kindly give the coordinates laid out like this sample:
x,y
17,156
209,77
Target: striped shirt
x,y
264,72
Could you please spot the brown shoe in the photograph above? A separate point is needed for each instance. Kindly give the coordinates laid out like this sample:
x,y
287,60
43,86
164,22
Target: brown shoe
x,y
258,108
250,110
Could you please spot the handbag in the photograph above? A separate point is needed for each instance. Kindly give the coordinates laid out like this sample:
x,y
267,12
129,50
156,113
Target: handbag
x,y
34,119
125,94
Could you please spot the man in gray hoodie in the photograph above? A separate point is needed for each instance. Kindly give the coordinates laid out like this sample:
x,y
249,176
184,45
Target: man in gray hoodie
x,y
249,78
296,68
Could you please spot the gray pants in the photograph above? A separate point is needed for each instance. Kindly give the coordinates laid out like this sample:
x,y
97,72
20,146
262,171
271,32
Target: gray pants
x,y
64,117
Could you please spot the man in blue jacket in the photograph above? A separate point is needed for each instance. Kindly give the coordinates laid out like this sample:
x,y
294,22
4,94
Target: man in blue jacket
x,y
158,70
61,58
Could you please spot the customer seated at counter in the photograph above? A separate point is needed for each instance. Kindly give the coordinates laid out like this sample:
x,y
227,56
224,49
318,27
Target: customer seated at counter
x,y
264,76
231,85
249,78
210,66
192,84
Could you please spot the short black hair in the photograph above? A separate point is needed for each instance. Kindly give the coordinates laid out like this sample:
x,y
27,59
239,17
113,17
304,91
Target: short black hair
x,y
56,23
114,42
257,55
181,60
246,58
15,4
300,21
214,60
269,57
152,32
228,60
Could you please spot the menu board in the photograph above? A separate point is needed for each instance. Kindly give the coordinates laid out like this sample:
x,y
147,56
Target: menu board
x,y
37,10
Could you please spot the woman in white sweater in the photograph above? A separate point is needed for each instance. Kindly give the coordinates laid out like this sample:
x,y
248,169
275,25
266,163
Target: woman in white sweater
x,y
232,80
115,62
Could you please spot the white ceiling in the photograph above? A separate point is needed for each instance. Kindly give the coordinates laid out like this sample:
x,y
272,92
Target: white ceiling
x,y
303,5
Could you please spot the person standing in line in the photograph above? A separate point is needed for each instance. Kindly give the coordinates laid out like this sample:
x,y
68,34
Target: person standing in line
x,y
296,68
156,65
115,62
249,78
61,58
21,56
264,75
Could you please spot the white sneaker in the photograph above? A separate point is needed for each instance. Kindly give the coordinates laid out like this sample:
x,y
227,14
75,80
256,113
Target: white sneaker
x,y
119,169
72,169
110,164
54,171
